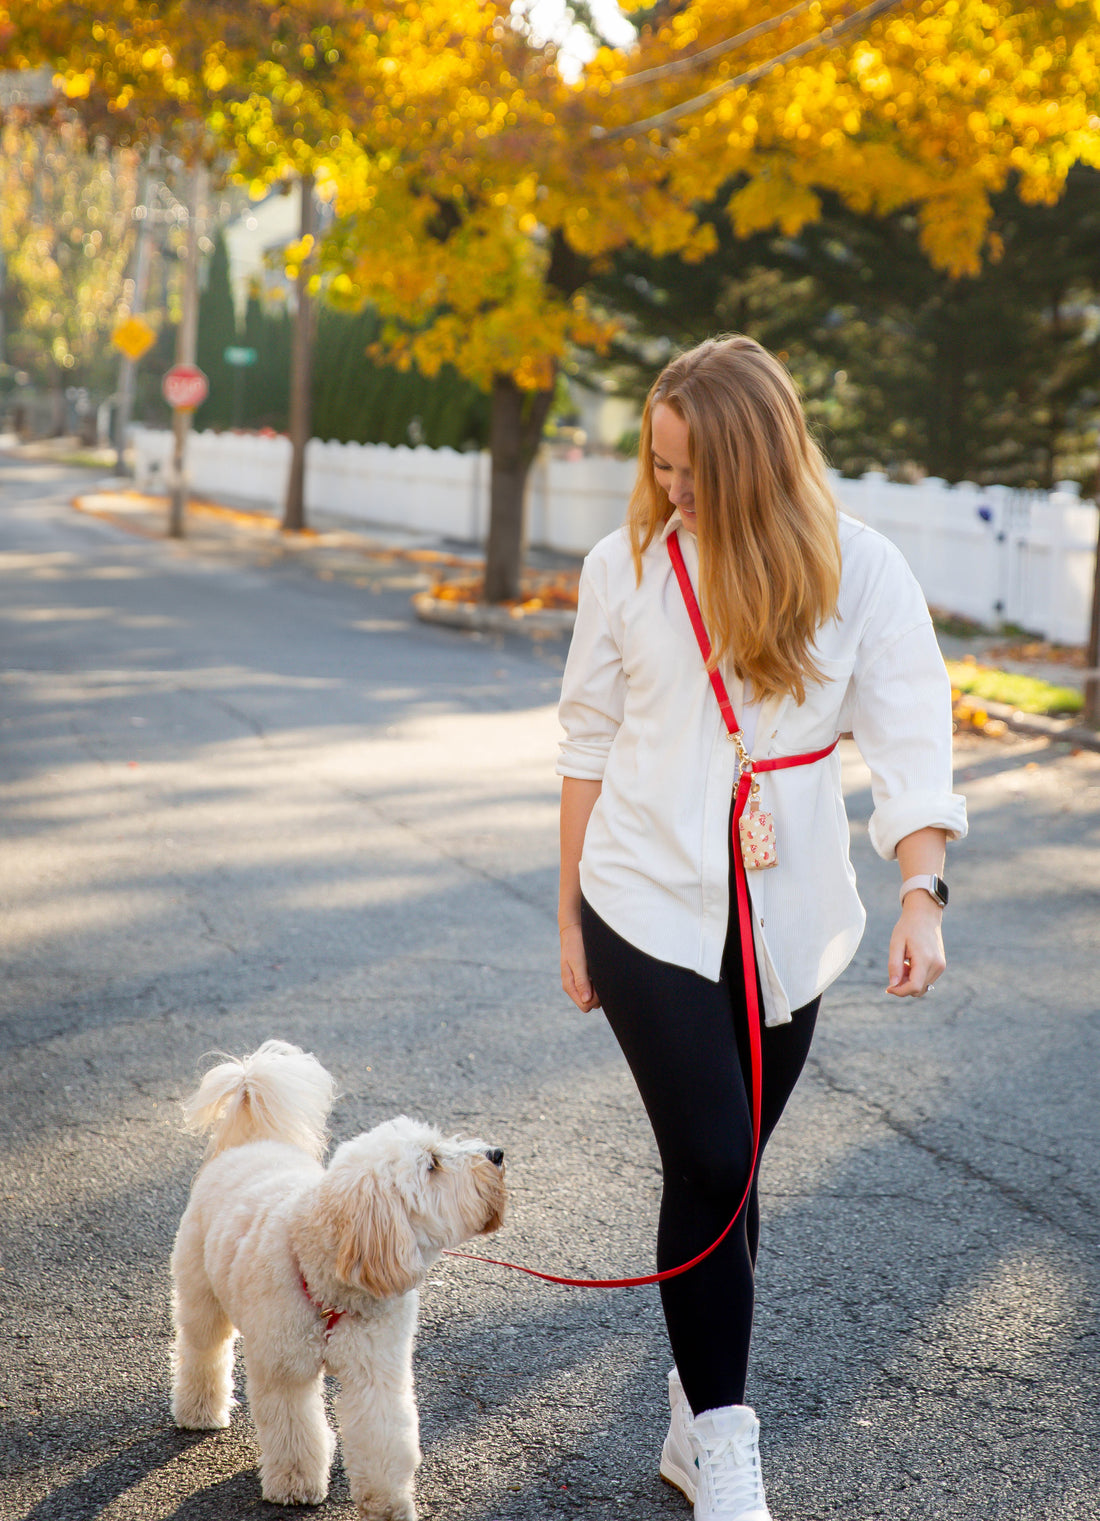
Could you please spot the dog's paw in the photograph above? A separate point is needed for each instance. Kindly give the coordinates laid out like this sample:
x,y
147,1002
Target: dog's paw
x,y
199,1415
386,1510
294,1489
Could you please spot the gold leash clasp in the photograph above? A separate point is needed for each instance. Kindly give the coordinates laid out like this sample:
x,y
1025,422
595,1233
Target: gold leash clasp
x,y
744,763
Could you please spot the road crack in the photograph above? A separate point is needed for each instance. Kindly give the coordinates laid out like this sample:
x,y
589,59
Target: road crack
x,y
960,1164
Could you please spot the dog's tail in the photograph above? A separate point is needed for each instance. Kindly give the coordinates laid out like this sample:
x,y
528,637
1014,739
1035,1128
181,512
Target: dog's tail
x,y
279,1093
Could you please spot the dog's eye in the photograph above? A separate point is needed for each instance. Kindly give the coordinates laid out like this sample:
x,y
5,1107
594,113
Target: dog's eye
x,y
433,1163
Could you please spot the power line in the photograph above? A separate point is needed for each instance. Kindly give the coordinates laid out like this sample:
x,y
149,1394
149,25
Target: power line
x,y
831,34
697,60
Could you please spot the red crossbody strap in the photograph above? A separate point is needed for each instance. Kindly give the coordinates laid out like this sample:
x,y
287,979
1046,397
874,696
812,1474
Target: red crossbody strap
x,y
778,762
676,555
781,762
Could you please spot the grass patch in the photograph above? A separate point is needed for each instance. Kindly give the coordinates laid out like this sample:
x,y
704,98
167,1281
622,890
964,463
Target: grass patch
x,y
93,459
1028,694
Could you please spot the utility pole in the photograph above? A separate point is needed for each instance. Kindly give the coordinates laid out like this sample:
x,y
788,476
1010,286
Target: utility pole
x,y
186,343
301,367
127,370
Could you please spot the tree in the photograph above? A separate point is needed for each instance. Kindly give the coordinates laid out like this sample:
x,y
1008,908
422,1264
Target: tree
x,y
185,73
66,239
992,377
477,232
359,399
270,83
478,192
301,363
267,329
217,332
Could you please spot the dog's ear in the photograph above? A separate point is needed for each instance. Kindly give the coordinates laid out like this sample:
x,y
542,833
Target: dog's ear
x,y
376,1249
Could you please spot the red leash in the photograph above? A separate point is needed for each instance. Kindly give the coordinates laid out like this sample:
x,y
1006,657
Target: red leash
x,y
748,950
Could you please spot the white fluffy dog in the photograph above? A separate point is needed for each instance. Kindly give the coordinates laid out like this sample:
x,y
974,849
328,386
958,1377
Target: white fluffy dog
x,y
317,1268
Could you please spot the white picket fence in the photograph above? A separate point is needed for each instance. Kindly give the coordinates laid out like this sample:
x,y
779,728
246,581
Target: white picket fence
x,y
993,554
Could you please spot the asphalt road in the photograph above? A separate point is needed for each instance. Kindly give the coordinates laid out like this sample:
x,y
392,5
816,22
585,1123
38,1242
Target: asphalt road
x,y
239,801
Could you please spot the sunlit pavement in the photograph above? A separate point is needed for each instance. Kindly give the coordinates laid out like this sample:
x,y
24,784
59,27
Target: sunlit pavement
x,y
239,801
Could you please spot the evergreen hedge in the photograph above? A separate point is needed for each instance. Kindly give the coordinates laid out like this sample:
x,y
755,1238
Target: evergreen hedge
x,y
355,399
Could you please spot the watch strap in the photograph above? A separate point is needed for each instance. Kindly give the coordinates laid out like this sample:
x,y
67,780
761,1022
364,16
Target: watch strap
x,y
934,886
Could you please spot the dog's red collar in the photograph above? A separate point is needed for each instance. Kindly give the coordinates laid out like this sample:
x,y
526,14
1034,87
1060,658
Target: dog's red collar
x,y
331,1316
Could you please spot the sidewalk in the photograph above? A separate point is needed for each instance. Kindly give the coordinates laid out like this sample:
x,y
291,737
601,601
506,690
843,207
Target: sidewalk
x,y
366,555
334,548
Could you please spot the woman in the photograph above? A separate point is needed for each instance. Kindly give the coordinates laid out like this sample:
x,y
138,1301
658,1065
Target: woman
x,y
818,628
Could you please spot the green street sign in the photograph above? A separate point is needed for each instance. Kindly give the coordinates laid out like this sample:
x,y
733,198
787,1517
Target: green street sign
x,y
240,356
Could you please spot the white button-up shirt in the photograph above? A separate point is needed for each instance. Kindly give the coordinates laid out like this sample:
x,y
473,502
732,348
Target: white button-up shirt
x,y
641,717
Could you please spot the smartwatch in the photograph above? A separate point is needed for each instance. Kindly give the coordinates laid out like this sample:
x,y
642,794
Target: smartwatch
x,y
935,886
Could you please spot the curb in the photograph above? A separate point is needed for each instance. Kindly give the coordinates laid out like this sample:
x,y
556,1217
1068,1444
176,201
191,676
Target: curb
x,y
486,618
1040,725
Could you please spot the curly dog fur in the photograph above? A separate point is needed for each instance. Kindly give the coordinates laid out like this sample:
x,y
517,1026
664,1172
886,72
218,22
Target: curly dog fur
x,y
317,1268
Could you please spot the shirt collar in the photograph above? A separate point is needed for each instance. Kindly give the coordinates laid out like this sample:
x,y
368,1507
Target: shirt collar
x,y
688,545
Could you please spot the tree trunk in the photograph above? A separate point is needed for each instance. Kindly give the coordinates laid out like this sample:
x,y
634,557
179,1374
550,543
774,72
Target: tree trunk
x,y
301,367
515,432
58,409
1055,413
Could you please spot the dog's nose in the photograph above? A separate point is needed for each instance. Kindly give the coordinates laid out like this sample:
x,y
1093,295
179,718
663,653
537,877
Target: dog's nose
x,y
495,1155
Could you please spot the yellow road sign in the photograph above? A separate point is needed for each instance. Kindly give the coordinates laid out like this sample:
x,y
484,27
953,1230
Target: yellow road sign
x,y
134,337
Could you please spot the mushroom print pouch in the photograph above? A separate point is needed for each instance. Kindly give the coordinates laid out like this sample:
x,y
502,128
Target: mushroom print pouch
x,y
757,838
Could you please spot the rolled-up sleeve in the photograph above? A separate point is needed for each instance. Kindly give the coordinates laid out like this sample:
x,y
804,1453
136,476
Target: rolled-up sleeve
x,y
901,720
593,687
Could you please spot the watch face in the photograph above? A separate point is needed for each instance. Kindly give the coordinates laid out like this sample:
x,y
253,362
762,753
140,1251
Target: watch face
x,y
939,890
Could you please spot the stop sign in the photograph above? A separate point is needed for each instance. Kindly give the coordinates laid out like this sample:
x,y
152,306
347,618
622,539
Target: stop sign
x,y
185,387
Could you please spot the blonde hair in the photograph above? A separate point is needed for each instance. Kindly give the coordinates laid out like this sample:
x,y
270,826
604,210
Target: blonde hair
x,y
769,551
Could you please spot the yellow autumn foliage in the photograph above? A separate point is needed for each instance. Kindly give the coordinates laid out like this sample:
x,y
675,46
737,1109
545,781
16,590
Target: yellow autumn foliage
x,y
477,189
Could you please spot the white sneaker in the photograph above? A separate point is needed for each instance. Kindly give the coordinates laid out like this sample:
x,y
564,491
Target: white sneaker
x,y
726,1450
677,1455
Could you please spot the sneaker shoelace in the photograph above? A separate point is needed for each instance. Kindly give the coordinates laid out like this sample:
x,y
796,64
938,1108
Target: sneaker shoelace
x,y
732,1473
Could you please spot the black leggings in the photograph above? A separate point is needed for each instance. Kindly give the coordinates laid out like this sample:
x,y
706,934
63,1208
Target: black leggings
x,y
674,1028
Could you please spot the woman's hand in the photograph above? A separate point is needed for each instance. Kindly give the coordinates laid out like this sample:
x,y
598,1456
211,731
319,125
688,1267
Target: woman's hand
x,y
916,946
578,798
574,969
